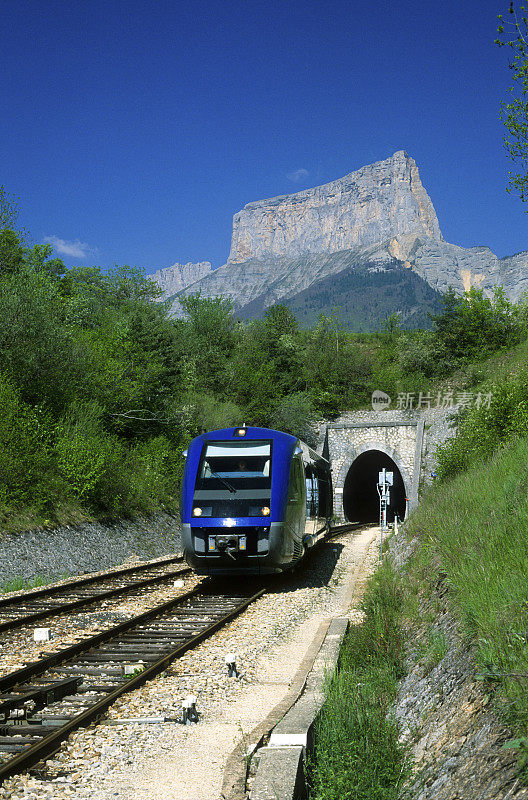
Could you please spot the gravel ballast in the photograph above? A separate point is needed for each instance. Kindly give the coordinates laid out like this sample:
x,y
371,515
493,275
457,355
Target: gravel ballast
x,y
169,761
89,547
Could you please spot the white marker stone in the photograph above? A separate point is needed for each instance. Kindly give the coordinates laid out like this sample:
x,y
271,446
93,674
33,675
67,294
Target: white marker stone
x,y
131,669
42,634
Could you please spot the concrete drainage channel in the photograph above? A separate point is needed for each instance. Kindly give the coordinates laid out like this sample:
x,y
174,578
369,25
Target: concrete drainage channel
x,y
274,766
285,738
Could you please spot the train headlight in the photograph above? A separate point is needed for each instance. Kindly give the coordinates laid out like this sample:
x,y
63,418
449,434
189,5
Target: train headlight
x,y
266,512
197,512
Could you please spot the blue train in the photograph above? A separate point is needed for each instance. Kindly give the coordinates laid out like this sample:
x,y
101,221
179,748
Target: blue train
x,y
253,501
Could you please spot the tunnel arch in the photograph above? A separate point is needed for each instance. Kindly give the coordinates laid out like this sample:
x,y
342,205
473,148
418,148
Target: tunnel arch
x,y
359,476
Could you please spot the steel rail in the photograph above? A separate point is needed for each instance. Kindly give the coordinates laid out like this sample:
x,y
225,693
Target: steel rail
x,y
337,530
36,668
46,591
50,742
70,605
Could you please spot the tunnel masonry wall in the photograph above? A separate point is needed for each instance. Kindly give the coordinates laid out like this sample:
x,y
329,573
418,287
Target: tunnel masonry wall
x,y
409,438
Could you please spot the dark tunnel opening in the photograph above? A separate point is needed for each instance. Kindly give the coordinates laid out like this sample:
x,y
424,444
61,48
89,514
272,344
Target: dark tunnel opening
x,y
360,496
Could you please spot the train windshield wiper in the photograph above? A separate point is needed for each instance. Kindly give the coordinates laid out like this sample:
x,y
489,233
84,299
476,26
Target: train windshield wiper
x,y
223,480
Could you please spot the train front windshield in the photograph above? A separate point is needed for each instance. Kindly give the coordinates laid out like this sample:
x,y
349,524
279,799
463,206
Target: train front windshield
x,y
234,480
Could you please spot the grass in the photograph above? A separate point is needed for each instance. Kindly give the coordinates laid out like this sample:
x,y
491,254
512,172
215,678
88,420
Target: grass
x,y
474,530
435,648
16,520
18,583
358,756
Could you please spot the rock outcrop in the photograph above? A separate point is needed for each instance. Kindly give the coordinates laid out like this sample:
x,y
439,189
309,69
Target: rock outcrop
x,y
176,278
375,220
442,265
375,203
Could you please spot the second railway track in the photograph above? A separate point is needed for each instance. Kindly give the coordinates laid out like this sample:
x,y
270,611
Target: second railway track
x,y
29,607
47,699
42,703
35,605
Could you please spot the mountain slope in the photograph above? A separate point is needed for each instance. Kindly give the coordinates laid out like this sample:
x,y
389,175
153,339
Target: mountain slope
x,y
364,296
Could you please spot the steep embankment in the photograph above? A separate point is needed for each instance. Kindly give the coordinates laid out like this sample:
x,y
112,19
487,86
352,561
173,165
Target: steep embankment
x,y
463,560
452,590
39,556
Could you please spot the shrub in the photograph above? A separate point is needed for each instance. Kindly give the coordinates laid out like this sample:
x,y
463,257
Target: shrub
x,y
295,414
483,429
90,460
154,470
25,449
423,354
472,325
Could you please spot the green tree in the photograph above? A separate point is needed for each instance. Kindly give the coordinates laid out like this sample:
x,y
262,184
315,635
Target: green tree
x,y
12,252
126,285
9,209
335,368
211,320
280,321
25,449
513,33
211,337
472,325
36,349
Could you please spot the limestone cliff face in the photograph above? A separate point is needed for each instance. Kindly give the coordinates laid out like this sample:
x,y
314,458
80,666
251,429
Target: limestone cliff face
x,y
442,265
173,279
373,220
376,202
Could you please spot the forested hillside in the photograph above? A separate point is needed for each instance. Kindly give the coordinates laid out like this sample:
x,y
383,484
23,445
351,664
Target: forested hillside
x,y
100,390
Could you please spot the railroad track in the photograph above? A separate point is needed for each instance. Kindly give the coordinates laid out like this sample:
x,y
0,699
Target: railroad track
x,y
347,527
37,604
42,703
32,606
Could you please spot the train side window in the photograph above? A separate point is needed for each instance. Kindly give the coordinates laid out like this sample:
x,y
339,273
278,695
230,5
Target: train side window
x,y
309,493
323,485
312,493
296,480
315,511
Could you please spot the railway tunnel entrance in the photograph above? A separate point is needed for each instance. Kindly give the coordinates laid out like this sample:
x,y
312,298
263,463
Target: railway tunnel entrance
x,y
360,496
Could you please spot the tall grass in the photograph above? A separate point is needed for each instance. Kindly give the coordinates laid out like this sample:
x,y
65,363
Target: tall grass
x,y
358,756
475,529
18,583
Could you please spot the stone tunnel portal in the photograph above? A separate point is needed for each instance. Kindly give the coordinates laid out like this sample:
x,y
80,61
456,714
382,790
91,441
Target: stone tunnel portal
x,y
360,496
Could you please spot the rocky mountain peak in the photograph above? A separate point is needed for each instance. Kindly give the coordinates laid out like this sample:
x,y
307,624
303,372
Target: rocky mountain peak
x,y
375,203
177,277
370,235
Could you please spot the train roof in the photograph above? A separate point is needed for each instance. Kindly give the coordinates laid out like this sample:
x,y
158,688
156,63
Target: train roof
x,y
252,433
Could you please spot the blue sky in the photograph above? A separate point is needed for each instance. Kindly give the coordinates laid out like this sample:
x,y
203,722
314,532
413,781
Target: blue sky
x,y
133,131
